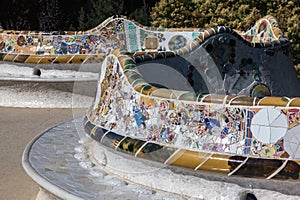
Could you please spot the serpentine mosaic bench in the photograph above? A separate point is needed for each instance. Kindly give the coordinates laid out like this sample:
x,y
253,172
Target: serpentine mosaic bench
x,y
91,46
218,104
83,47
202,100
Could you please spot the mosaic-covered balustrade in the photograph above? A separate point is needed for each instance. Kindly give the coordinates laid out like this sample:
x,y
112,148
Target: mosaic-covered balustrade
x,y
233,62
83,47
71,47
251,135
264,30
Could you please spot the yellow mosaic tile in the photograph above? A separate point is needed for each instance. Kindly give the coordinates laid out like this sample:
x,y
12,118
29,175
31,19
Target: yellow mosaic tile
x,y
92,59
217,163
9,57
62,59
47,59
163,93
21,58
187,158
78,59
273,101
295,102
33,59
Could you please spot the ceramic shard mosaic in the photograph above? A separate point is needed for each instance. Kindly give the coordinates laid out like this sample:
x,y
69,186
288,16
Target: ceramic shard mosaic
x,y
214,102
70,47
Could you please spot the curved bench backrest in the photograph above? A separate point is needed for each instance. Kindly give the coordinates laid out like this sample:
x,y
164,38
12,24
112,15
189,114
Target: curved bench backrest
x,y
111,34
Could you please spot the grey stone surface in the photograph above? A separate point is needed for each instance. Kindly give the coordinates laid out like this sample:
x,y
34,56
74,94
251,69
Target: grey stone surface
x,y
52,156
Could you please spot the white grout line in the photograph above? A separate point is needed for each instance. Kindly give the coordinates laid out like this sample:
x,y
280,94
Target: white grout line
x,y
119,142
204,161
166,162
279,169
140,149
238,167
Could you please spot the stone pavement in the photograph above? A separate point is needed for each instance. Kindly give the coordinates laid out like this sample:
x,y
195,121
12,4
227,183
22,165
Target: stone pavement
x,y
57,162
49,78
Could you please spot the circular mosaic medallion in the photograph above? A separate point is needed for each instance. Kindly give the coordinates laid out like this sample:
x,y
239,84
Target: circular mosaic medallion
x,y
177,42
21,40
260,91
151,42
269,125
292,142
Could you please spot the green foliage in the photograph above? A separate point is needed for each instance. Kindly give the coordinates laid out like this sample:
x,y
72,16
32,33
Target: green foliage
x,y
98,12
21,14
50,15
230,13
69,15
173,13
82,19
141,15
236,14
298,70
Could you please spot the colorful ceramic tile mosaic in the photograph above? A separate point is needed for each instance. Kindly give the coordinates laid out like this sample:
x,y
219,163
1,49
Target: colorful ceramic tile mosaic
x,y
53,47
230,126
265,30
76,47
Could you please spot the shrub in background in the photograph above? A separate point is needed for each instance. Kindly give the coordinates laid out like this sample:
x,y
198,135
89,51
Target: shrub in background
x,y
236,14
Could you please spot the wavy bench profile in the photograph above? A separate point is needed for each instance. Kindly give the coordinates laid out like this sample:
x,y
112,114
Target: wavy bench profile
x,y
88,47
217,104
